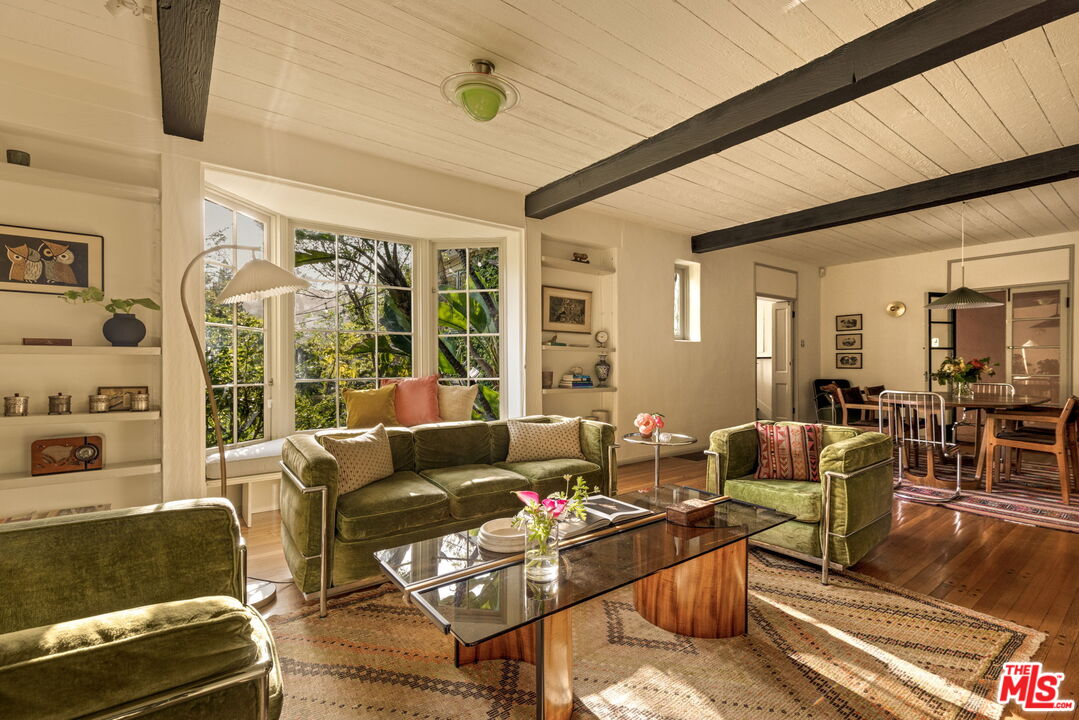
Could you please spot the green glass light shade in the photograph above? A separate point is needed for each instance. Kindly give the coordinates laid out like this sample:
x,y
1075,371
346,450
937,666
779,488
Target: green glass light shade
x,y
481,101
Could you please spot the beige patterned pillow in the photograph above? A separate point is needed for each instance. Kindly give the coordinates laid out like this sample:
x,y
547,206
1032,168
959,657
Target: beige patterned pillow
x,y
455,402
544,441
361,460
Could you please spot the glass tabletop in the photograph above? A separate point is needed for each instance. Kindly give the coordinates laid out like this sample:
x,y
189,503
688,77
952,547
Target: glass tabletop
x,y
662,439
478,606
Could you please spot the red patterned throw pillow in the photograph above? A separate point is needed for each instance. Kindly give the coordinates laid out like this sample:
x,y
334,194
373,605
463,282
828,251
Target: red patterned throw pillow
x,y
788,452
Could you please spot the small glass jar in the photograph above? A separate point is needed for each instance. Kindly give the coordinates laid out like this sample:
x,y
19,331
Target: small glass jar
x,y
140,402
16,405
59,404
99,403
541,556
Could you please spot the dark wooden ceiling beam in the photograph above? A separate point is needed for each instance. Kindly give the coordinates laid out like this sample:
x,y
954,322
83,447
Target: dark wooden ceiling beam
x,y
186,34
1037,169
931,36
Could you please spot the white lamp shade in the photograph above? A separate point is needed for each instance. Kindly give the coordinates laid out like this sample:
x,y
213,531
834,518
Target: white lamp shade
x,y
260,279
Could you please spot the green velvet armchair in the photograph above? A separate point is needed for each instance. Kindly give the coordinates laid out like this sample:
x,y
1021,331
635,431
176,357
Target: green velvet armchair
x,y
837,520
132,613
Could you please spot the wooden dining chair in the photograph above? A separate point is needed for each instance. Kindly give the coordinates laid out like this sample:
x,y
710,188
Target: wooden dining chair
x,y
853,413
916,421
1060,441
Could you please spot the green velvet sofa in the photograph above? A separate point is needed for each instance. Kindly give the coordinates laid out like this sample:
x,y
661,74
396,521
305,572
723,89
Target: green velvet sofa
x,y
132,613
448,477
852,504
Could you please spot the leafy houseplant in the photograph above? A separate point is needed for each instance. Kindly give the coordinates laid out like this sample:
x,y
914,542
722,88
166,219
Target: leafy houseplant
x,y
575,500
961,373
123,329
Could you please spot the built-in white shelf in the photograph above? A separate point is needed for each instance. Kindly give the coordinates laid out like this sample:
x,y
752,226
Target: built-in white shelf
x,y
78,183
77,350
17,480
605,351
568,391
77,418
586,268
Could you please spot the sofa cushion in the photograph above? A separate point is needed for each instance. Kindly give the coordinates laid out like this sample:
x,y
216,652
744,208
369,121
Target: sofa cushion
x,y
450,444
478,489
544,441
80,667
401,444
788,452
367,408
399,502
255,459
801,499
547,476
362,459
416,400
455,402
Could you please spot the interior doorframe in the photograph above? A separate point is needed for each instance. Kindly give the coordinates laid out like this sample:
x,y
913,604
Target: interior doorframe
x,y
764,293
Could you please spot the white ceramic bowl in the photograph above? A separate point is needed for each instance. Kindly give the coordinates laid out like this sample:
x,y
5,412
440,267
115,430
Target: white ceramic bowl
x,y
500,536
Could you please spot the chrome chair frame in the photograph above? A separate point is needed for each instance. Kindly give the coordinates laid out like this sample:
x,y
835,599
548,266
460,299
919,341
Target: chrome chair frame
x,y
826,565
906,411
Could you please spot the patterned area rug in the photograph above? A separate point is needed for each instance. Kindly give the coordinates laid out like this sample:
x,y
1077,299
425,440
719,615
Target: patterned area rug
x,y
1032,497
855,649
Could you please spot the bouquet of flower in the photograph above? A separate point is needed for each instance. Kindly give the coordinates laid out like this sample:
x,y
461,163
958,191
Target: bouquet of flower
x,y
540,516
648,423
963,372
574,501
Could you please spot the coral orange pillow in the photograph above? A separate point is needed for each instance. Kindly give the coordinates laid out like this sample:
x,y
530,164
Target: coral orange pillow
x,y
416,400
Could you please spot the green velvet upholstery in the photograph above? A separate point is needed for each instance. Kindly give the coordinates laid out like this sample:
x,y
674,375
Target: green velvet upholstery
x,y
460,481
548,476
111,608
403,501
860,505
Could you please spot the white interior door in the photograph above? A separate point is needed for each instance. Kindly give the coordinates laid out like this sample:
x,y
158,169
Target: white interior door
x,y
782,362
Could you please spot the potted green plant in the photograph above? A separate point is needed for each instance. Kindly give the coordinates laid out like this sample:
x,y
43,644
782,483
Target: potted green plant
x,y
123,329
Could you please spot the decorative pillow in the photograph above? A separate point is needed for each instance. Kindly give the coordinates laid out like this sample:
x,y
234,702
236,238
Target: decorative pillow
x,y
416,402
367,408
362,459
544,441
455,402
788,452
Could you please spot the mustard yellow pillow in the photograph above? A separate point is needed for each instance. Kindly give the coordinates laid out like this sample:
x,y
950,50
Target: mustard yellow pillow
x,y
368,408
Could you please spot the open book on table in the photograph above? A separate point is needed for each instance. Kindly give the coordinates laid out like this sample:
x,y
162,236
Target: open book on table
x,y
602,511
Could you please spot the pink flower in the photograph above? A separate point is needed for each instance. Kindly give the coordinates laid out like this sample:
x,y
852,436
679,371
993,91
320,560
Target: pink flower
x,y
659,420
641,417
554,506
646,424
528,497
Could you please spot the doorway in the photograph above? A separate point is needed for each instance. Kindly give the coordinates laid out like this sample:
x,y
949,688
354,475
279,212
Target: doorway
x,y
775,358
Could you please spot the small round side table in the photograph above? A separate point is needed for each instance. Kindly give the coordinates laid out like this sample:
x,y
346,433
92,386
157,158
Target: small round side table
x,y
658,440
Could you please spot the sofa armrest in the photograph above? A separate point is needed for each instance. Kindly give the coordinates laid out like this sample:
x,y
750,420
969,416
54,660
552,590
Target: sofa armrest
x,y
307,468
597,439
732,453
75,566
859,471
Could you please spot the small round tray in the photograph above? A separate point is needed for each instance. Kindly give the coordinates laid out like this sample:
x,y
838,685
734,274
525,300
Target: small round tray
x,y
500,536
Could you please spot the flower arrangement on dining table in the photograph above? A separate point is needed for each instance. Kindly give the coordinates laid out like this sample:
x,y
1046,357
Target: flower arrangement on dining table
x,y
541,518
961,373
648,423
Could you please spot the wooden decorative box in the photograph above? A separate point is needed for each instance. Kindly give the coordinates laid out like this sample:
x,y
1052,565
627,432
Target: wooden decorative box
x,y
67,454
690,511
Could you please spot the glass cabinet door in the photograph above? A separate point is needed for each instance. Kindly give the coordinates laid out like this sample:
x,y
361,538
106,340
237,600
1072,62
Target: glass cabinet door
x,y
1037,351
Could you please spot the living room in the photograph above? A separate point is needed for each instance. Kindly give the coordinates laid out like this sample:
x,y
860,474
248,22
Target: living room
x,y
392,248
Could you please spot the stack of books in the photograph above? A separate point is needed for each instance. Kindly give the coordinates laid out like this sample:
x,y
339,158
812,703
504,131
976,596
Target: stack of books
x,y
575,381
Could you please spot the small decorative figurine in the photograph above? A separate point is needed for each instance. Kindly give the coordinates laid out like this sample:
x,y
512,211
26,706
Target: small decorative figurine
x,y
580,257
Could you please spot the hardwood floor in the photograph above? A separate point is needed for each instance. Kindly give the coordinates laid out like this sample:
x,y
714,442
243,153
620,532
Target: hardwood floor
x,y
1019,573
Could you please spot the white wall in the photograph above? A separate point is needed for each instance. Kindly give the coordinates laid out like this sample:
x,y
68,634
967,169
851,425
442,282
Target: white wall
x,y
894,349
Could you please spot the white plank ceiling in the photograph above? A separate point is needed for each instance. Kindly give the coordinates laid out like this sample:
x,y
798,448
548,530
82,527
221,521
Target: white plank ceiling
x,y
598,76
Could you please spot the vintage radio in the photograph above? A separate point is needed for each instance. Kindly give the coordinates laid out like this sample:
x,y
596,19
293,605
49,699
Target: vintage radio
x,y
68,454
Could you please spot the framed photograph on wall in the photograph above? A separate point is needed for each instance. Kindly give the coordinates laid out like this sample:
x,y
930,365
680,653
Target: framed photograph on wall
x,y
848,341
50,262
848,361
846,323
566,310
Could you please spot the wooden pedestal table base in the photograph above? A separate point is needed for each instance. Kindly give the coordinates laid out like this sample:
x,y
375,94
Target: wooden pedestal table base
x,y
704,597
547,644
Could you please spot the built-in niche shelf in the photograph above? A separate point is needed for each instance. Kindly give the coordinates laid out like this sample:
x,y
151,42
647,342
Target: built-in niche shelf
x,y
571,391
78,418
78,183
586,268
17,480
77,350
605,351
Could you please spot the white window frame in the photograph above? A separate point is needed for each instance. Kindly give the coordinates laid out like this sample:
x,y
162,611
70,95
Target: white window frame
x,y
681,302
236,205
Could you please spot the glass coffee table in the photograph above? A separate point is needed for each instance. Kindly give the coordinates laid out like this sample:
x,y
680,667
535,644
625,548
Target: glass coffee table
x,y
688,580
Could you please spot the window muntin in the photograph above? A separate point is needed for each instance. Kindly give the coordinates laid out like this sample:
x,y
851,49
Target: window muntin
x,y
233,335
468,280
353,325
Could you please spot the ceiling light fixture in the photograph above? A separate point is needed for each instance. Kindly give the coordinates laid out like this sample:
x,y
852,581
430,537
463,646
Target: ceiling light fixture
x,y
480,93
963,298
136,7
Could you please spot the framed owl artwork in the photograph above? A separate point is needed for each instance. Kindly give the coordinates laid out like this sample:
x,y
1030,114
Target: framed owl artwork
x,y
49,261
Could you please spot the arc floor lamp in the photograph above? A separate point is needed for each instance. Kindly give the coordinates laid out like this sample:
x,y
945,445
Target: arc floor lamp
x,y
255,280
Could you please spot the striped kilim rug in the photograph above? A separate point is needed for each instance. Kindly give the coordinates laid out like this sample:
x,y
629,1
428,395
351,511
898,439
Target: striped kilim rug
x,y
1031,498
855,649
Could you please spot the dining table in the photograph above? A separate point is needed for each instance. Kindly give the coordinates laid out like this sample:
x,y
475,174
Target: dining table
x,y
980,403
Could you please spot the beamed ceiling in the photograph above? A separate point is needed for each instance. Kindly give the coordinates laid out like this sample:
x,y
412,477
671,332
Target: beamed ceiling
x,y
598,76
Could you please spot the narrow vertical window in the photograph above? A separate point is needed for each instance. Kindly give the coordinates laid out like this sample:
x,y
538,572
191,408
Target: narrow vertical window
x,y
234,335
681,305
469,339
